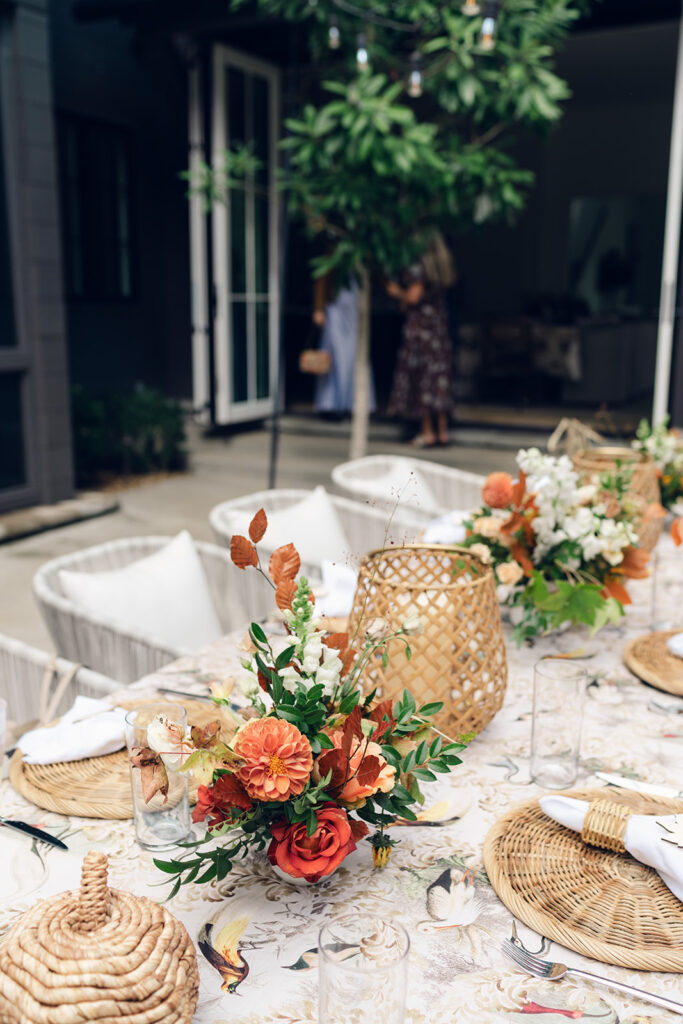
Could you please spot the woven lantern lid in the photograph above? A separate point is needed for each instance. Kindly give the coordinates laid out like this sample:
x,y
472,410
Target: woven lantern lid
x,y
97,954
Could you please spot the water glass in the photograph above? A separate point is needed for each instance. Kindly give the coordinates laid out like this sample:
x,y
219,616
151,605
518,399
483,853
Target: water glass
x,y
162,822
363,970
559,691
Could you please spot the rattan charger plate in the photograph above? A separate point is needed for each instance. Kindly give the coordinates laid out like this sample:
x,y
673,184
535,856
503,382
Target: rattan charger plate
x,y
649,658
96,787
604,905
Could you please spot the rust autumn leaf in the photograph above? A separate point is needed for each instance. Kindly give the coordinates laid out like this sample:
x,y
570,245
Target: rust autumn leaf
x,y
284,564
242,552
258,526
153,774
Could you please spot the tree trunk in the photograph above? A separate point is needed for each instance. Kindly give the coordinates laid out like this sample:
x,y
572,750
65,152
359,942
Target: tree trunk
x,y
361,373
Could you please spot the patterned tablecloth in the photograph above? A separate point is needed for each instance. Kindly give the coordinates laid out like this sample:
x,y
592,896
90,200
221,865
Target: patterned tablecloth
x,y
267,928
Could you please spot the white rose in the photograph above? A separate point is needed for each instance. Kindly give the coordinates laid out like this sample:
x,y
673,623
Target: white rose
x,y
482,552
413,625
585,494
377,628
170,740
510,573
488,526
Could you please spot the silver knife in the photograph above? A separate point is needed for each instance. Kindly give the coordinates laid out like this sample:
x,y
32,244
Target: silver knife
x,y
640,787
36,833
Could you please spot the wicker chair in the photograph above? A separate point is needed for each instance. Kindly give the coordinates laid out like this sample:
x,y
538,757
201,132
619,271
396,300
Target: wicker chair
x,y
39,686
452,488
114,648
365,528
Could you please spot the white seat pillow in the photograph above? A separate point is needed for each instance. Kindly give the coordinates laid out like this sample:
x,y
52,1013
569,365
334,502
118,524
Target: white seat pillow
x,y
312,525
165,596
402,483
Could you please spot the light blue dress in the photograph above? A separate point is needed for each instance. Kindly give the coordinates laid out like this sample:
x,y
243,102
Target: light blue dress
x,y
334,391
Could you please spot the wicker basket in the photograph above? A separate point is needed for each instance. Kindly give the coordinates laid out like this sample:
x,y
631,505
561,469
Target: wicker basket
x,y
97,955
591,462
459,658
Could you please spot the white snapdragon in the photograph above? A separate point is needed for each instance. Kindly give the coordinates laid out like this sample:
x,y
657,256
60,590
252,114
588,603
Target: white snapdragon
x,y
329,672
291,678
312,653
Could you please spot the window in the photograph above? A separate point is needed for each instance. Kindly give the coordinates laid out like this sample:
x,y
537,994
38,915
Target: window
x,y
96,210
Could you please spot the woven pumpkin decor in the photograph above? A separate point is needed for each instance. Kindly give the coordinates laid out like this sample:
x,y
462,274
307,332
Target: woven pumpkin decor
x,y
459,658
644,487
97,955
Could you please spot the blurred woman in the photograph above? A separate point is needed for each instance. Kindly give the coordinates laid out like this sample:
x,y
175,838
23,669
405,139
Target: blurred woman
x,y
423,382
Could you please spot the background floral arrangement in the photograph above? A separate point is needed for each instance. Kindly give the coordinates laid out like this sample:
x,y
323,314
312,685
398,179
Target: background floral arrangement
x,y
317,762
560,551
665,446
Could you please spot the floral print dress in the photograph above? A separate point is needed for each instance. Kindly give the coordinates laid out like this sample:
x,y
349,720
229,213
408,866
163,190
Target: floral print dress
x,y
423,382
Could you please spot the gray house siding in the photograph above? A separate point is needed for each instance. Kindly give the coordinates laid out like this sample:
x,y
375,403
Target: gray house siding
x,y
40,353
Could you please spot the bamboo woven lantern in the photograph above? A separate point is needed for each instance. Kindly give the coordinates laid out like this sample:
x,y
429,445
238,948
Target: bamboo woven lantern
x,y
97,955
591,462
460,657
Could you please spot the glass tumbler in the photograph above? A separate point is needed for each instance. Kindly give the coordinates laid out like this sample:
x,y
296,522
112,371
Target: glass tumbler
x,y
161,822
363,970
559,691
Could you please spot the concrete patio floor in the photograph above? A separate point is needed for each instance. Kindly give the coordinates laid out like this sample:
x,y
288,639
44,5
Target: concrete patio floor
x,y
222,467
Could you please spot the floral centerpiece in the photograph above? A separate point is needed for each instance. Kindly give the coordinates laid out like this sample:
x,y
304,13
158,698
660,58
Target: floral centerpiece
x,y
316,762
665,447
560,551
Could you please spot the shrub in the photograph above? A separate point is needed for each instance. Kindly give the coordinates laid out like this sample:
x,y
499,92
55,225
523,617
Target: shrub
x,y
126,432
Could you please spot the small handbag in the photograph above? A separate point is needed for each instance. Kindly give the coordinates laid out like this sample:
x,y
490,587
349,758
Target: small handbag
x,y
315,361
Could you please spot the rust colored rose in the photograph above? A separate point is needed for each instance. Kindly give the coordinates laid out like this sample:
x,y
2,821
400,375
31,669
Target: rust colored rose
x,y
312,857
497,490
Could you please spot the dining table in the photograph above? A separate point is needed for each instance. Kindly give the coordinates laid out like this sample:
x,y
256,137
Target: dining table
x,y
256,935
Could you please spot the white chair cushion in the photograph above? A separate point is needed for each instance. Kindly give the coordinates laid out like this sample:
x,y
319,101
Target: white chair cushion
x,y
312,525
402,483
165,595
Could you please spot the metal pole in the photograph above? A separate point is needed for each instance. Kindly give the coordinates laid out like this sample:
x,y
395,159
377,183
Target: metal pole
x,y
672,235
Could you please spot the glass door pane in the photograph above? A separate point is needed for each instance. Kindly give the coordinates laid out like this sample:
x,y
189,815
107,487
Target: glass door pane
x,y
246,229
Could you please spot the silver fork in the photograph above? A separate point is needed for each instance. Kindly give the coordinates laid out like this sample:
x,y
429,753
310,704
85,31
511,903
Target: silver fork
x,y
554,971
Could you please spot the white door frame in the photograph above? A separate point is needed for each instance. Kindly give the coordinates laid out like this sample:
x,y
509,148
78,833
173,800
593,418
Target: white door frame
x,y
670,257
199,292
226,411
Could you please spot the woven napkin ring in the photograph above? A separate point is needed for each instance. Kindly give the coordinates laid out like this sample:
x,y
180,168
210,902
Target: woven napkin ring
x,y
605,825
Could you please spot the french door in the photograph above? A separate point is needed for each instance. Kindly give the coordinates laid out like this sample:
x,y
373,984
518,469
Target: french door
x,y
245,240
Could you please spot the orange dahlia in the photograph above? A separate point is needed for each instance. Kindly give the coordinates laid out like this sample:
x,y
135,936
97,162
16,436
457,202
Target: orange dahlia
x,y
277,759
497,490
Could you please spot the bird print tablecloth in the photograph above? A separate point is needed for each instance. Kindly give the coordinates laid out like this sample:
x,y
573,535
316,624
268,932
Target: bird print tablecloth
x,y
256,935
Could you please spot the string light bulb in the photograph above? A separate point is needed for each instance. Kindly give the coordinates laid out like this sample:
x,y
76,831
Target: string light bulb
x,y
415,76
489,27
362,53
333,35
471,8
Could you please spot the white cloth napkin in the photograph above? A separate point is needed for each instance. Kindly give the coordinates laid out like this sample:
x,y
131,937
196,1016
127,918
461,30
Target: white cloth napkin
x,y
91,728
334,598
675,644
642,839
447,529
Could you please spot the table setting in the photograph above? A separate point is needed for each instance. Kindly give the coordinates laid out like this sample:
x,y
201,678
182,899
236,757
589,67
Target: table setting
x,y
532,869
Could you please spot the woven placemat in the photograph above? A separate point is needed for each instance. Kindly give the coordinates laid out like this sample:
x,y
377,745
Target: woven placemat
x,y
604,905
97,787
649,658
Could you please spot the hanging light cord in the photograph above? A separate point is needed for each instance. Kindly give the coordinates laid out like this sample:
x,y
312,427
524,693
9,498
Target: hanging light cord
x,y
376,19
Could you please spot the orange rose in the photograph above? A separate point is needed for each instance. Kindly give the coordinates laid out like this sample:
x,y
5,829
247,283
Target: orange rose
x,y
497,490
312,857
356,790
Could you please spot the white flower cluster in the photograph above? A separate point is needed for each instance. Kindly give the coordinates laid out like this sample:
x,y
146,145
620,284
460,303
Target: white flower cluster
x,y
663,445
564,512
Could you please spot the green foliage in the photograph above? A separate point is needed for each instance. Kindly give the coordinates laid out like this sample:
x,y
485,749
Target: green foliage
x,y
213,183
125,432
549,607
376,171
